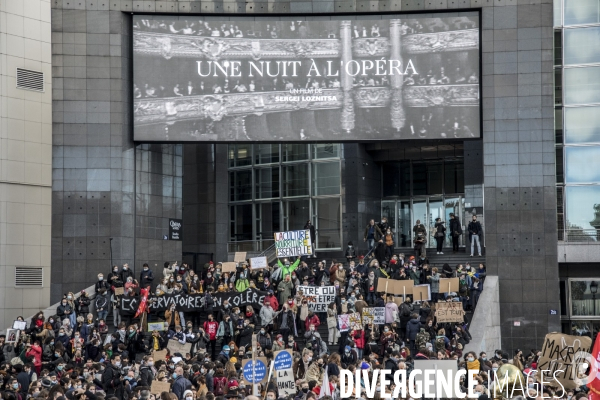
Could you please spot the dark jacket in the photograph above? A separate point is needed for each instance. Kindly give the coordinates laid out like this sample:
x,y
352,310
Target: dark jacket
x,y
101,285
350,252
146,278
101,303
246,336
180,385
111,382
377,234
311,227
61,310
474,229
83,305
126,273
455,227
412,328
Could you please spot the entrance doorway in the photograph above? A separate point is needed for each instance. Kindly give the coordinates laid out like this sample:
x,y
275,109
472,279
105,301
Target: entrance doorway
x,y
402,215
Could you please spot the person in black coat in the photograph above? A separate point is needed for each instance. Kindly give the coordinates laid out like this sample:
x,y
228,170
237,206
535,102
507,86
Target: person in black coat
x,y
455,231
83,304
146,276
350,252
112,379
126,272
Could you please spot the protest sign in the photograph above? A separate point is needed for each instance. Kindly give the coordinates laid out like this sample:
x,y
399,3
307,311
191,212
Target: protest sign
x,y
285,375
156,326
228,267
259,263
422,292
355,321
256,374
158,387
395,286
12,335
449,312
558,361
318,297
119,291
160,355
344,322
240,256
175,347
195,302
373,315
448,285
293,243
20,325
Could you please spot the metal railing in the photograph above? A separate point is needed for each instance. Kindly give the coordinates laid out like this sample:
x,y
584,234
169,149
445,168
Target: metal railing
x,y
250,246
580,236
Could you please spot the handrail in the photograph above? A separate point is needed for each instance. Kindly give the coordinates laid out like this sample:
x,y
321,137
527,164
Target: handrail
x,y
582,236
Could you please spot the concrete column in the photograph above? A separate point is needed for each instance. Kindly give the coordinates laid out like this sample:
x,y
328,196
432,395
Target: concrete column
x,y
348,107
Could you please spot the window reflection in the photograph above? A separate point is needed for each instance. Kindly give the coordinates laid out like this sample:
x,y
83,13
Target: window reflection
x,y
582,46
582,12
582,85
584,298
581,201
582,125
583,164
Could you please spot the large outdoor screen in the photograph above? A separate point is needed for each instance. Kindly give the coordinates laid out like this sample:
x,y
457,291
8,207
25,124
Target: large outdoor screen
x,y
402,77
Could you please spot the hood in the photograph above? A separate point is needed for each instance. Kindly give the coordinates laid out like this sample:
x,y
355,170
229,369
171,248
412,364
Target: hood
x,y
415,321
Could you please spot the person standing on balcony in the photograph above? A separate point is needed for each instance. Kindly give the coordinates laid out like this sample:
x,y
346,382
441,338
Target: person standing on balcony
x,y
474,234
372,234
455,231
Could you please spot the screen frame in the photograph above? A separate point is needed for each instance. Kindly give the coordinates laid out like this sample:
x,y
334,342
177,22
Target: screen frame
x,y
308,16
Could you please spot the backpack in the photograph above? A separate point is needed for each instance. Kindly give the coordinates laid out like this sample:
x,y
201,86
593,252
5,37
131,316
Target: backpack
x,y
421,339
405,310
220,384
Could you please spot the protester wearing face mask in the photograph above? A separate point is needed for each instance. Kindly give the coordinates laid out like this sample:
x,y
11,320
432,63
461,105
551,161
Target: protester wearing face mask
x,y
146,276
300,367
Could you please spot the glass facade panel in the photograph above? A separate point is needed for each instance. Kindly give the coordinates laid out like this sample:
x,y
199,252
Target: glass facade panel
x,y
582,164
436,210
396,179
582,45
580,203
296,213
326,150
268,220
557,48
328,221
240,185
267,183
454,177
240,155
404,231
558,87
584,297
558,125
240,222
266,153
295,180
427,178
294,152
582,85
326,179
582,125
388,210
557,12
581,12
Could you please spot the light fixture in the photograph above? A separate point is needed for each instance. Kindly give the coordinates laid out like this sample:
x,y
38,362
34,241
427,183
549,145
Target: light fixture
x,y
594,287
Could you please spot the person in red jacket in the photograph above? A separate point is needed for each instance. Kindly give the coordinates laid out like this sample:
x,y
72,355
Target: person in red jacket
x,y
35,351
359,339
211,327
272,300
313,320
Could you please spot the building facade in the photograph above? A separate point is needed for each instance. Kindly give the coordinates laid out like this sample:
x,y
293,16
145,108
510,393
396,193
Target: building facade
x,y
112,199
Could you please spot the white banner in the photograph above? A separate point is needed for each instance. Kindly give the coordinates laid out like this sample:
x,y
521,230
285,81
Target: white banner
x,y
318,297
258,263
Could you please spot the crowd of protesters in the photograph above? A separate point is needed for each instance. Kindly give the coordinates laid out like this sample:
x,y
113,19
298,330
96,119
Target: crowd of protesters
x,y
74,354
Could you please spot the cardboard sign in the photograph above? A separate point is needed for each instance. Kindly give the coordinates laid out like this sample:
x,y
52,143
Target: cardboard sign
x,y
175,347
293,243
240,256
421,293
373,315
444,282
160,355
283,362
558,353
156,326
394,286
449,312
158,387
119,291
318,297
228,266
258,263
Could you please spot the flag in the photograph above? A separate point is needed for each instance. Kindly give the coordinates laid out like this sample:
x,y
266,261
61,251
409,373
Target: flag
x,y
325,389
594,384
